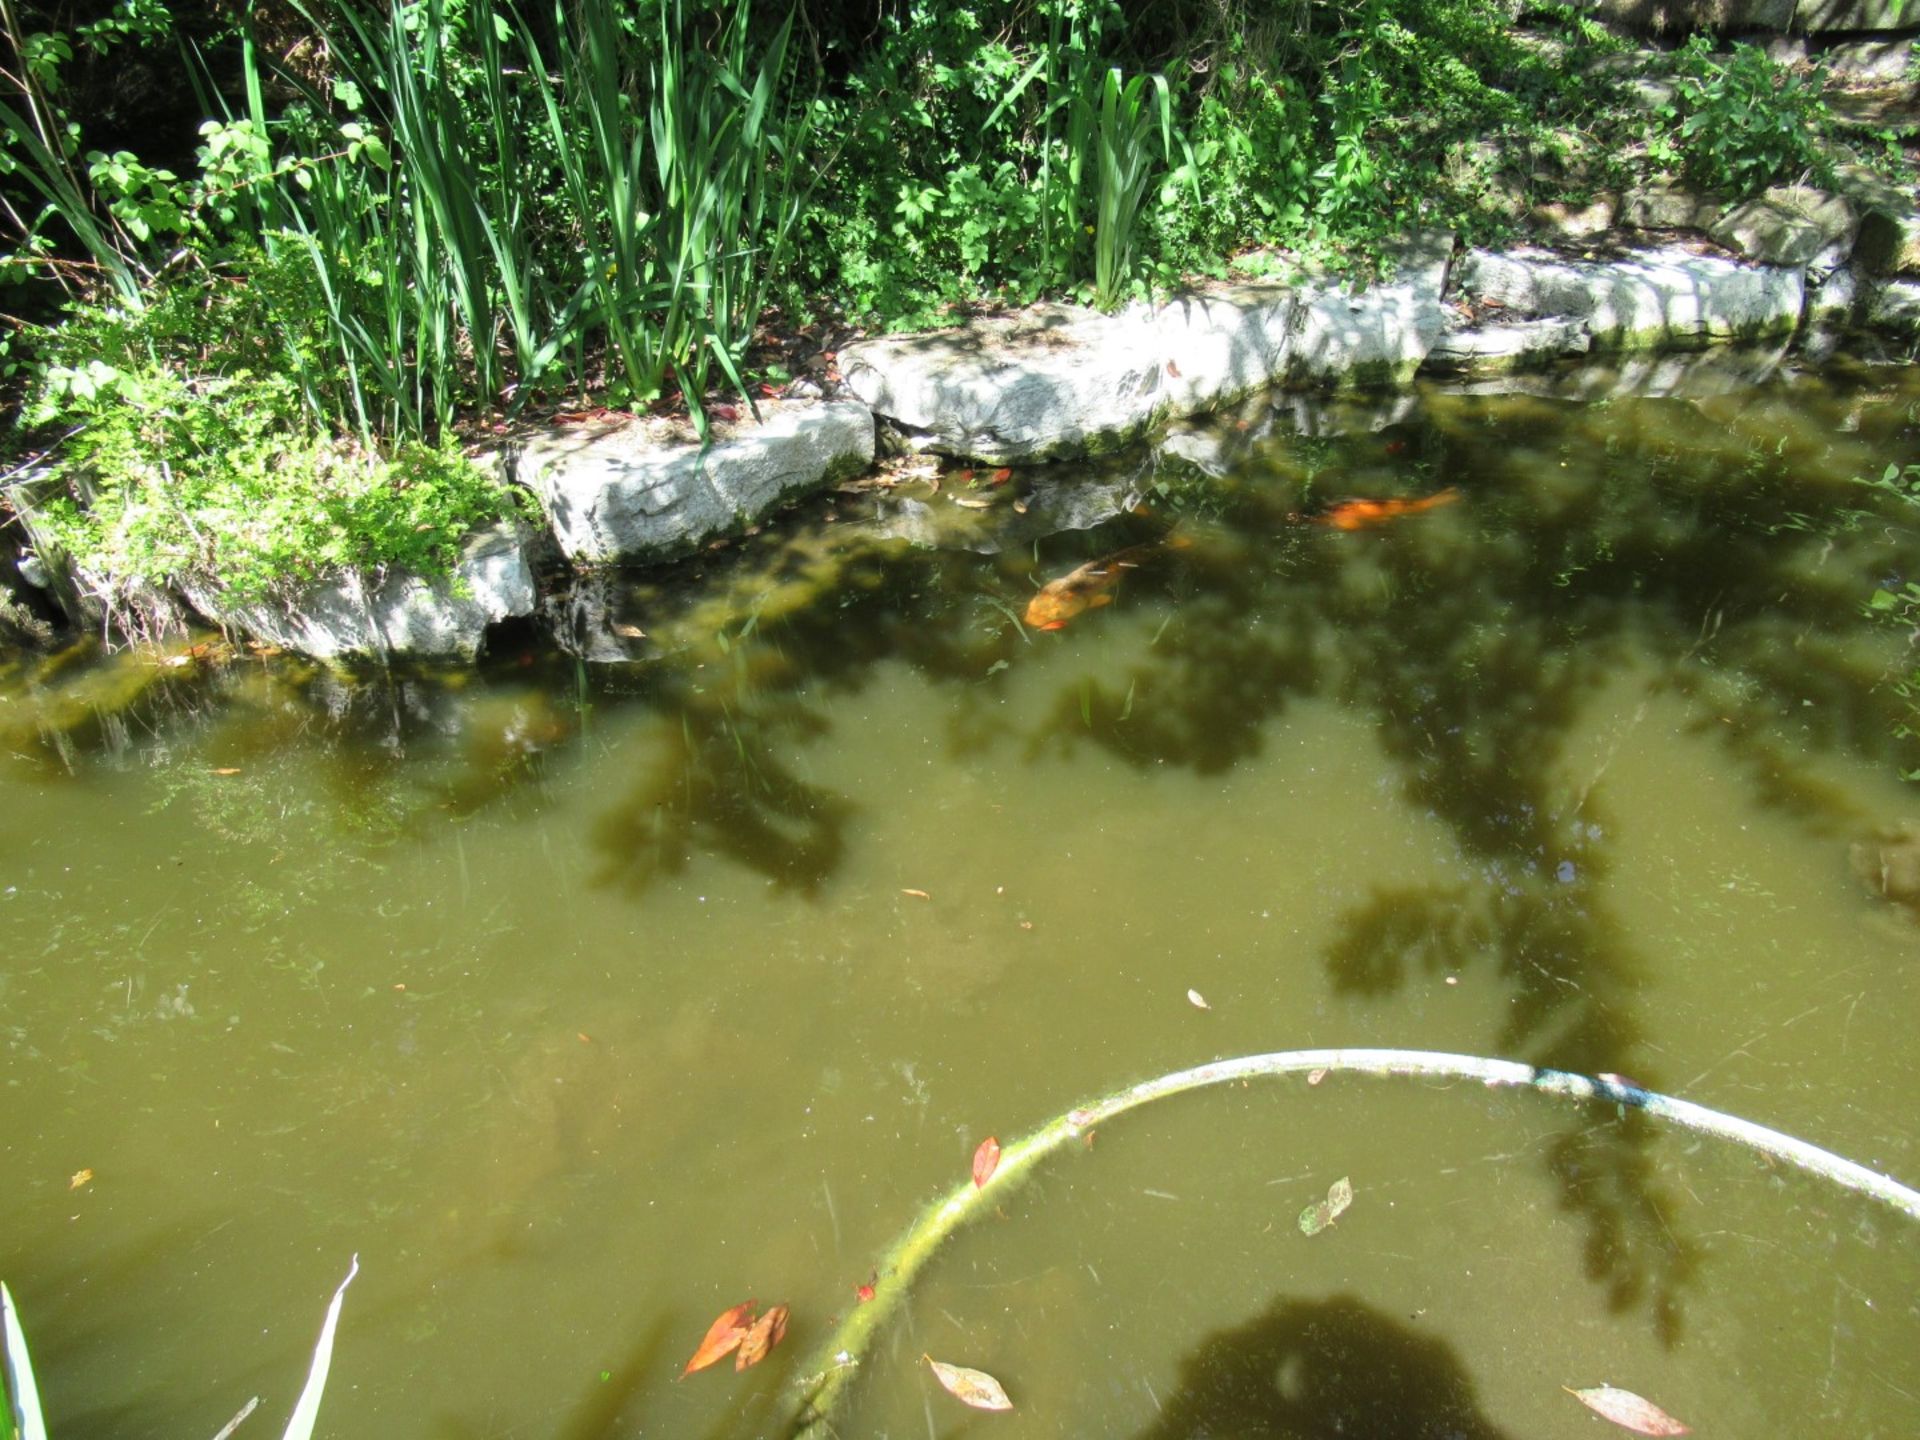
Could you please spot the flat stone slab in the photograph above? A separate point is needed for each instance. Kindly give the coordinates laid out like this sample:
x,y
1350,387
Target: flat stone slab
x,y
1508,345
1895,307
1059,381
395,615
1663,297
1787,225
632,491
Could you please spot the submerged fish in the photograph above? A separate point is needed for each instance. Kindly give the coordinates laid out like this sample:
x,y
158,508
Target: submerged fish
x,y
1086,587
1359,514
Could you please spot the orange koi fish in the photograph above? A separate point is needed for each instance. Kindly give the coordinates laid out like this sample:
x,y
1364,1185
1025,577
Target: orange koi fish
x,y
1361,514
1087,587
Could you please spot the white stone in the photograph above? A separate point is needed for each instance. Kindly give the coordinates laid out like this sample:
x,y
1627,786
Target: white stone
x,y
1895,306
1058,381
618,494
1667,296
397,614
1509,345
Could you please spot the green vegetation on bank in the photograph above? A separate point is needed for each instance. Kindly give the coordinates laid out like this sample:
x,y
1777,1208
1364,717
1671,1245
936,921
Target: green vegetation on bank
x,y
368,227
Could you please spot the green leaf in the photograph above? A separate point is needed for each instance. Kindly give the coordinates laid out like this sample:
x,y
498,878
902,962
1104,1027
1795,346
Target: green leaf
x,y
23,1396
307,1412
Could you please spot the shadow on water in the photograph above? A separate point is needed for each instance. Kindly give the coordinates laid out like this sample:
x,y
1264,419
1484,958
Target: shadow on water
x,y
1590,544
1308,1369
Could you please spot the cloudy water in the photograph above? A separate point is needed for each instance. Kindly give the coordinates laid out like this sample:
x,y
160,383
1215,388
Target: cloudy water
x,y
684,950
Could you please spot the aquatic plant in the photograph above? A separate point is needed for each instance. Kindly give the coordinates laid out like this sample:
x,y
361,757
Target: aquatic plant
x,y
26,1419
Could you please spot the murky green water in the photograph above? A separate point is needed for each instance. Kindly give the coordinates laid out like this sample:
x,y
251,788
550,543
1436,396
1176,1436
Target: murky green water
x,y
583,999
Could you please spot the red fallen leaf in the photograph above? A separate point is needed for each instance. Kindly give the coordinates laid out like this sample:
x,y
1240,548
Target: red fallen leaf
x,y
767,1332
1001,476
723,1336
1173,370
985,1160
1628,1410
724,412
963,477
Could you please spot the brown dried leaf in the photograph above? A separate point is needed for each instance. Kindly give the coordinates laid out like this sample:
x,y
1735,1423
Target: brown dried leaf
x,y
970,1387
985,1160
723,1336
765,1333
1628,1410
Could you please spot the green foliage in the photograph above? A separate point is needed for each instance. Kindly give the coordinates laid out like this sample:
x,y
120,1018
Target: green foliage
x,y
214,472
1744,122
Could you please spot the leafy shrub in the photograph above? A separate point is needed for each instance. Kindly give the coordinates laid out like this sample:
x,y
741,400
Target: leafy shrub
x,y
1744,122
192,455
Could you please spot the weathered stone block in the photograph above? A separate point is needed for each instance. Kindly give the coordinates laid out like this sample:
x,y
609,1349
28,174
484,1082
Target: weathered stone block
x,y
1788,225
398,614
1668,296
1518,345
624,493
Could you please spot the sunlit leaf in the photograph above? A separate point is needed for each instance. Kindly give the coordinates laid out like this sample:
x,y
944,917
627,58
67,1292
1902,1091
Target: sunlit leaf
x,y
80,1177
970,1387
306,1411
723,1336
985,1160
1197,1000
25,1394
1628,1410
762,1336
916,894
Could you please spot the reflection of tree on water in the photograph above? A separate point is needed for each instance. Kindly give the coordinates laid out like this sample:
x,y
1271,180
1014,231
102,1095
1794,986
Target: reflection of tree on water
x,y
1305,1370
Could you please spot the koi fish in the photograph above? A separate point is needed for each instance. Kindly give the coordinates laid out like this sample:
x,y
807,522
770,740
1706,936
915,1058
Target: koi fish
x,y
1360,514
1087,587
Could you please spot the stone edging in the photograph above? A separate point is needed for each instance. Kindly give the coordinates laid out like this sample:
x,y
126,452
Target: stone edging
x,y
1055,382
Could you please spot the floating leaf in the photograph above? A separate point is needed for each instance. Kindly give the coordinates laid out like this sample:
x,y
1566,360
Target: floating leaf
x,y
972,504
723,1336
80,1177
970,1387
1001,476
1322,1213
228,770
762,1336
1314,1077
1197,1000
1339,1197
985,1161
1628,1410
917,894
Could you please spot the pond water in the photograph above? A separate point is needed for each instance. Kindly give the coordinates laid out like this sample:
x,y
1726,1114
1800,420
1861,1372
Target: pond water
x,y
619,980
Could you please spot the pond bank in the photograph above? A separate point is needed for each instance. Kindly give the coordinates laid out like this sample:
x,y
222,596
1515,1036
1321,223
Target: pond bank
x,y
1799,270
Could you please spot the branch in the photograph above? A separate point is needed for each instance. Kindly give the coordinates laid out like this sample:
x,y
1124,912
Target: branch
x,y
828,1379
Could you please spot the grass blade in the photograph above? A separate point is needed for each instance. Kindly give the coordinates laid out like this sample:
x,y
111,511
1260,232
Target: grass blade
x,y
23,1395
307,1412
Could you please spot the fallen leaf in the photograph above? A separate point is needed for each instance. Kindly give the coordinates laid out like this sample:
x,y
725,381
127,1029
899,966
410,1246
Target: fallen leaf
x,y
723,1336
970,1387
1001,476
764,1334
1628,1410
1314,1077
985,1160
1322,1213
80,1177
973,504
228,770
1019,507
1197,1000
917,894
1339,1197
